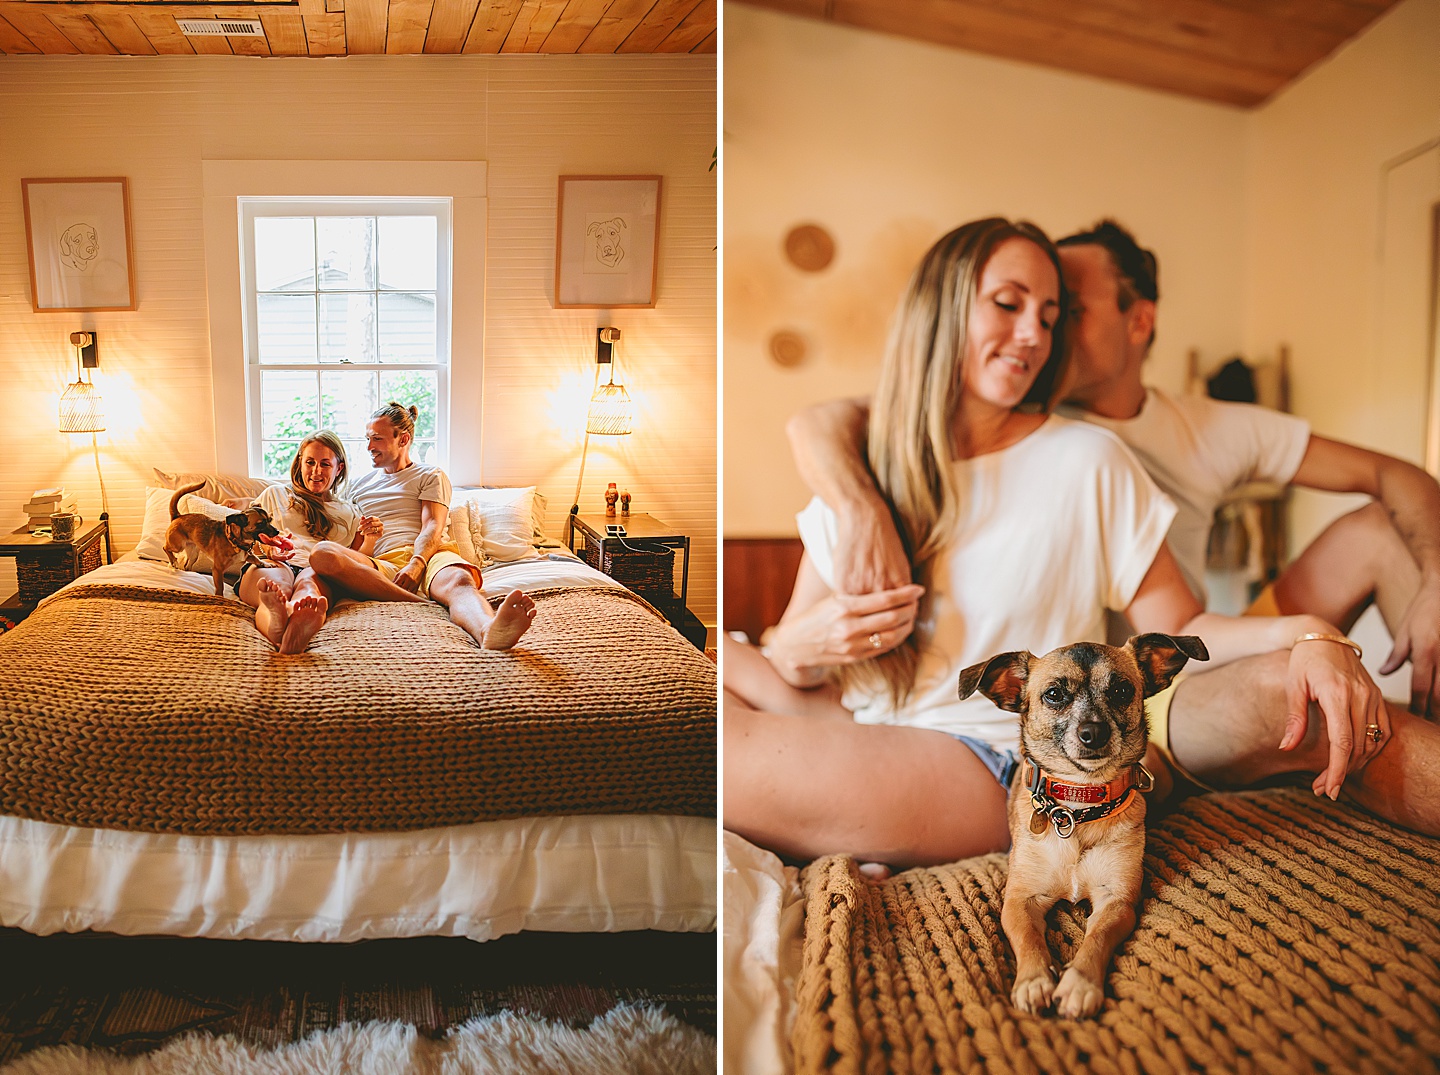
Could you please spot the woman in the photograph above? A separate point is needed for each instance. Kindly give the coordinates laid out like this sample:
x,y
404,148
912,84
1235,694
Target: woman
x,y
1023,528
290,600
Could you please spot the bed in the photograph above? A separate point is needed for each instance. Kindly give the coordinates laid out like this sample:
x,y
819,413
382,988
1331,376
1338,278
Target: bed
x,y
163,770
1278,932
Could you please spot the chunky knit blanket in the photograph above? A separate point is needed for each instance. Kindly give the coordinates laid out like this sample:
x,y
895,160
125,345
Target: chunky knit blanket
x,y
156,710
1278,933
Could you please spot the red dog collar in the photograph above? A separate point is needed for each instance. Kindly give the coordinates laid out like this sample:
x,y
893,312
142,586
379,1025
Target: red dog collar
x,y
1055,798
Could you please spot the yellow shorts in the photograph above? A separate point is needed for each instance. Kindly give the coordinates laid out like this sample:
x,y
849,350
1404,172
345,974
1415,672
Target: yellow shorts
x,y
1157,716
448,555
1265,603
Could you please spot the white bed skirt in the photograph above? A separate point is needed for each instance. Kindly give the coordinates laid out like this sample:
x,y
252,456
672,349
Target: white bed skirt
x,y
600,873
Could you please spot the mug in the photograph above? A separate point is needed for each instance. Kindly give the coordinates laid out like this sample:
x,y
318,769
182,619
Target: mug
x,y
63,525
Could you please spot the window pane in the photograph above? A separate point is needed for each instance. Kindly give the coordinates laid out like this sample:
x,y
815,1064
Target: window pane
x,y
288,412
416,387
348,402
407,327
424,452
347,328
286,329
285,254
407,253
347,253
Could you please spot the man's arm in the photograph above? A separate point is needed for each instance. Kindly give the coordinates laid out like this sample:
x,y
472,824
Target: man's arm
x,y
828,442
432,528
1411,497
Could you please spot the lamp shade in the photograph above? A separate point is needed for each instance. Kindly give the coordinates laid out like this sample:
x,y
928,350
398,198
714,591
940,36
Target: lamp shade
x,y
81,409
610,411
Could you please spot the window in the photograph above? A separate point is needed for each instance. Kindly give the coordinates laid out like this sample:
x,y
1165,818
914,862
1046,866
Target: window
x,y
347,306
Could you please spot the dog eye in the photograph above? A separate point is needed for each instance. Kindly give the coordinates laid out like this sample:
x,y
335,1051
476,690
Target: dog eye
x,y
1055,696
1121,692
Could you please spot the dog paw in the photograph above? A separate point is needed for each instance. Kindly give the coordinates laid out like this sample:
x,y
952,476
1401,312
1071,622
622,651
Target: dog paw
x,y
1077,997
1033,994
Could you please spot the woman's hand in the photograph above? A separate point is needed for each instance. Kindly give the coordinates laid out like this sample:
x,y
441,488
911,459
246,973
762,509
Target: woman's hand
x,y
1331,675
842,629
366,534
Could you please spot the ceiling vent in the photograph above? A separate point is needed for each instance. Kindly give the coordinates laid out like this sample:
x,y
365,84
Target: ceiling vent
x,y
221,27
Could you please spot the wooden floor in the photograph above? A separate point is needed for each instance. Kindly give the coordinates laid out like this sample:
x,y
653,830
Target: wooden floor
x,y
130,994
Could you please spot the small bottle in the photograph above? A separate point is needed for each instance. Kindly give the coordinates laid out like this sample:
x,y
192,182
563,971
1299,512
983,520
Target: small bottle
x,y
625,502
610,497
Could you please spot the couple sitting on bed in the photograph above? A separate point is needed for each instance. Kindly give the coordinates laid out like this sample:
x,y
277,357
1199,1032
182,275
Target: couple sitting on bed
x,y
984,524
385,543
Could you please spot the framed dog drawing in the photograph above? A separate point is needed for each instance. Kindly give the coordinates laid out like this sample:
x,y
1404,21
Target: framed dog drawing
x,y
78,234
607,241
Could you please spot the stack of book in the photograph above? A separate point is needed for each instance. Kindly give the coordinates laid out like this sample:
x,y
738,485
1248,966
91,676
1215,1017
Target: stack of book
x,y
44,501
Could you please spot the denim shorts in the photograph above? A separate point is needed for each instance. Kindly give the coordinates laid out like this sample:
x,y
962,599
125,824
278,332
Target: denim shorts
x,y
1001,763
247,565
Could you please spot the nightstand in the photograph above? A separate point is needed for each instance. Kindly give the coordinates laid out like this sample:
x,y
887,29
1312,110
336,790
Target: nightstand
x,y
43,565
644,561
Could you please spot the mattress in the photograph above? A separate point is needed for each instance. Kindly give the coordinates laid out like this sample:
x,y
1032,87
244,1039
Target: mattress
x,y
564,871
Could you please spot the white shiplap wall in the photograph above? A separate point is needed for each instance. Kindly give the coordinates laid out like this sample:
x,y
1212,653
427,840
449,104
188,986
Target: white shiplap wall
x,y
531,119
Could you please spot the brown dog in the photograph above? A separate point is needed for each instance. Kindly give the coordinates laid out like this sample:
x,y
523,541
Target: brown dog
x,y
221,539
1077,820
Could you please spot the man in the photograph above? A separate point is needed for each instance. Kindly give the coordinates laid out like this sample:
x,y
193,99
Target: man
x,y
1224,725
412,559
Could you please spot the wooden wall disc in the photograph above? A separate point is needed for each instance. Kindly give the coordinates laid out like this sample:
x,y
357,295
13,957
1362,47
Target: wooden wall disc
x,y
809,247
787,348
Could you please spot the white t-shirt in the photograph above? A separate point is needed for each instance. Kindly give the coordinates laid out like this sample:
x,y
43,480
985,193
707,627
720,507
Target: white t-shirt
x,y
1053,531
395,499
276,499
1199,450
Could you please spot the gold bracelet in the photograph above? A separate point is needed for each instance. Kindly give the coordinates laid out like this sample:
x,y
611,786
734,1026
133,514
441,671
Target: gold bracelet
x,y
1315,636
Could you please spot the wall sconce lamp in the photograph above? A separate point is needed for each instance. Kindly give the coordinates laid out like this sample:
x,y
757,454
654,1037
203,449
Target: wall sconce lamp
x,y
81,406
610,411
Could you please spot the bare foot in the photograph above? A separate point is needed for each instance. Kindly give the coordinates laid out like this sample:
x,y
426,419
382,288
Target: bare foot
x,y
874,871
307,614
271,614
512,619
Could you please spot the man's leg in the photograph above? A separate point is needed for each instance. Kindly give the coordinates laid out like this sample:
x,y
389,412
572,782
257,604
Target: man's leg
x,y
355,574
454,587
1225,727
1358,559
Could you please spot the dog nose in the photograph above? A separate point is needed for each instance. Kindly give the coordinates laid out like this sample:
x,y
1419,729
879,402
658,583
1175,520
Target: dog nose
x,y
1094,733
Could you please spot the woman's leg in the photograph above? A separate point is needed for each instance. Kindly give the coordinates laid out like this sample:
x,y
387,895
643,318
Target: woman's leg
x,y
353,573
268,590
752,681
808,786
308,606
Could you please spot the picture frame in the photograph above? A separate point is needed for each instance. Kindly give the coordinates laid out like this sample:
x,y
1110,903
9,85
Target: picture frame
x,y
79,240
607,242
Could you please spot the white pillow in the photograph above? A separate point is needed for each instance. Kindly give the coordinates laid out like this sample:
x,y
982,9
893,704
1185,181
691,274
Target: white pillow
x,y
493,525
157,521
217,486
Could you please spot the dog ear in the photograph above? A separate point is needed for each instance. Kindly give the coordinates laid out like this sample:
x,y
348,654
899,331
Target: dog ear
x,y
238,520
1001,679
1161,657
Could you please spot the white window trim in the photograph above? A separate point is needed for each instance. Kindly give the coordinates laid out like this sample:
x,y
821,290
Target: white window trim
x,y
462,182
439,209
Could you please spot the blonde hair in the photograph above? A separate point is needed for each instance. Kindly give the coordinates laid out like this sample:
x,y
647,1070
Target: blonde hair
x,y
317,522
912,415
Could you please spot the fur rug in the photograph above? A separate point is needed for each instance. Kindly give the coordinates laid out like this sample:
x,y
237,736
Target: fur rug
x,y
635,1040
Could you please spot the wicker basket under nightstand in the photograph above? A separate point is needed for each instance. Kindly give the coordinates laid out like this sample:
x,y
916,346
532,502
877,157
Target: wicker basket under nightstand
x,y
42,566
642,561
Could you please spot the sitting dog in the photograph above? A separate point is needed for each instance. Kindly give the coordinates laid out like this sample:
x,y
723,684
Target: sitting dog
x,y
221,539
1077,819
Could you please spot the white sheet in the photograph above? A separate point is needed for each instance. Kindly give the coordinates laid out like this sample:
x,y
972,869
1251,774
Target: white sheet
x,y
599,873
762,931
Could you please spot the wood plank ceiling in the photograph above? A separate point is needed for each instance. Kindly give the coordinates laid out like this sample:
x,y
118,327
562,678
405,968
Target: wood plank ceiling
x,y
353,27
1238,52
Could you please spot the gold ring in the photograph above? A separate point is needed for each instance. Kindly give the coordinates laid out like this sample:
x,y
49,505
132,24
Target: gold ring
x,y
875,639
1373,731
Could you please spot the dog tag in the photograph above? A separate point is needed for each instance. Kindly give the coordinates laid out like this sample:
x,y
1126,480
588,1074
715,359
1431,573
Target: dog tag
x,y
1039,822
